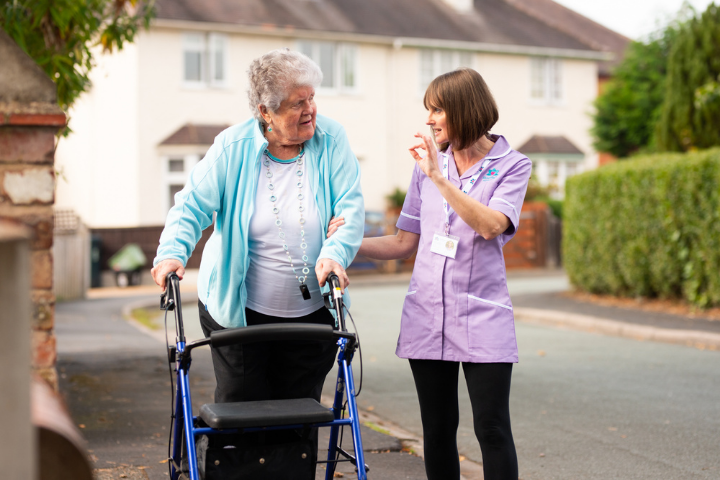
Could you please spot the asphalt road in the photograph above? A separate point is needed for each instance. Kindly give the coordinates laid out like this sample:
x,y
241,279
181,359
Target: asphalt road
x,y
583,406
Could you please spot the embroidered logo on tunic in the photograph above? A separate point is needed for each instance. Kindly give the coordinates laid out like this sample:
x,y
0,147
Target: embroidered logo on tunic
x,y
491,175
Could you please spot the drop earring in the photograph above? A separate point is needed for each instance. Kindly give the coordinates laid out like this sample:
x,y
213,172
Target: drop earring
x,y
269,129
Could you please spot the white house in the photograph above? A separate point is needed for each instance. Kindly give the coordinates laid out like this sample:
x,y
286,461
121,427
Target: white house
x,y
156,105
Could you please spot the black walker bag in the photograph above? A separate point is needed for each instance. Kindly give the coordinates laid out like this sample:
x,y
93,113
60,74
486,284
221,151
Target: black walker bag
x,y
257,456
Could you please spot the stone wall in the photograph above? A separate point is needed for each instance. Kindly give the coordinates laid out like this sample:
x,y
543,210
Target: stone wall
x,y
29,121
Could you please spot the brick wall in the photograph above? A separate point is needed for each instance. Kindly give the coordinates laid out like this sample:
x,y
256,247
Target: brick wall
x,y
528,247
27,194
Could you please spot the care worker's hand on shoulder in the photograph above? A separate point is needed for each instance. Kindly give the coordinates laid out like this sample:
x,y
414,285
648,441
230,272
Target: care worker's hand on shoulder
x,y
161,270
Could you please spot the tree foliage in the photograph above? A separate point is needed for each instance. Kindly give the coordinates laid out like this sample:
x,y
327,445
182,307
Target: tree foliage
x,y
62,35
690,116
627,110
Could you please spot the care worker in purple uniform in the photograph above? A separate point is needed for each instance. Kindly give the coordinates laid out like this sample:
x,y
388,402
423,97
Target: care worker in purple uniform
x,y
462,206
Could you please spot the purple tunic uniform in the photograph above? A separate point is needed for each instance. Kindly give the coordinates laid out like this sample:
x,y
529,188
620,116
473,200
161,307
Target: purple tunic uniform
x,y
459,309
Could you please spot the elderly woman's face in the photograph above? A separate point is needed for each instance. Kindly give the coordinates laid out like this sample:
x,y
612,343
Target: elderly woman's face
x,y
294,121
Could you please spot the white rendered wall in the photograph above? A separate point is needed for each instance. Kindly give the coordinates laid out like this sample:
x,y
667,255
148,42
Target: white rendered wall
x,y
98,162
115,168
520,118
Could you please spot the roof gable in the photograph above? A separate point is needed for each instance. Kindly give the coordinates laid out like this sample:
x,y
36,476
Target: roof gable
x,y
549,145
194,134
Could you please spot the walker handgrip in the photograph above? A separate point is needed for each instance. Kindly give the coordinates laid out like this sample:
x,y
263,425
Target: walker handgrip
x,y
274,332
333,280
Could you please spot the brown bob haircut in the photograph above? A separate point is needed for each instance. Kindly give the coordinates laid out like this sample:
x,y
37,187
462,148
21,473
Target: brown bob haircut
x,y
470,109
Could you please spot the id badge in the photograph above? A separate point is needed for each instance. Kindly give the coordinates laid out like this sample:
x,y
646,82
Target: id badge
x,y
445,245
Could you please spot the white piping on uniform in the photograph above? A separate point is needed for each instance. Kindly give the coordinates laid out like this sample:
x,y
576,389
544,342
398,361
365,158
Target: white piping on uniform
x,y
490,302
499,156
505,201
409,216
411,293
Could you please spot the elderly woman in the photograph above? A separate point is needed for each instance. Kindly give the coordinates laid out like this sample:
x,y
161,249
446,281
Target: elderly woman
x,y
271,184
462,206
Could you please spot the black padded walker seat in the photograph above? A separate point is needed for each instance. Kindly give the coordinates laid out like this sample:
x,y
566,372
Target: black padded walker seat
x,y
265,413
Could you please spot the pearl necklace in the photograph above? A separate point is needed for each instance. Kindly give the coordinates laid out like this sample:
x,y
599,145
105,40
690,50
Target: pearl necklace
x,y
276,211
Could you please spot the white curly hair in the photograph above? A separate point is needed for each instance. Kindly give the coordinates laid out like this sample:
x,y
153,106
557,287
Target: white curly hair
x,y
274,75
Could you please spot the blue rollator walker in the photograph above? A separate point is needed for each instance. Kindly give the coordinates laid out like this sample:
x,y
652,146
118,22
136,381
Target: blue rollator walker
x,y
267,415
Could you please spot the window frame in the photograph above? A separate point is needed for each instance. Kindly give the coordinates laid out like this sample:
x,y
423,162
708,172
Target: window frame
x,y
213,39
188,48
339,49
174,177
442,61
207,49
550,72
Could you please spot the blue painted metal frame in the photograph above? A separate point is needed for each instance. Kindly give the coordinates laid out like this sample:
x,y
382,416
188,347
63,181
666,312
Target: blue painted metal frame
x,y
184,430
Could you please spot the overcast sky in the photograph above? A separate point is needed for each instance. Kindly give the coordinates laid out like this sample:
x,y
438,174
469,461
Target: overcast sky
x,y
632,18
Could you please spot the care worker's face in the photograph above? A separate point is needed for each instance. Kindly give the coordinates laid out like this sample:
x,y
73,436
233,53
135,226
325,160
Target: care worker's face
x,y
294,121
437,121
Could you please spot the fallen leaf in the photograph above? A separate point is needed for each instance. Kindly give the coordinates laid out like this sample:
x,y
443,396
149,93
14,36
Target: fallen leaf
x,y
370,408
612,429
338,474
541,353
541,455
164,461
82,425
462,458
623,436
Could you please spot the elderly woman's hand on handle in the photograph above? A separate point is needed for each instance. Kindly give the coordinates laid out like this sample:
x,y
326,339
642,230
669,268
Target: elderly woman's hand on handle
x,y
161,270
324,266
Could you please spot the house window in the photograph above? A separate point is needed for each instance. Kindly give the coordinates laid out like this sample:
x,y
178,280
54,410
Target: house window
x,y
437,62
173,189
546,80
338,62
176,172
176,165
204,59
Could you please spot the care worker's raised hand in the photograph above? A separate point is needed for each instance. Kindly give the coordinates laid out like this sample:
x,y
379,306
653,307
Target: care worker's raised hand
x,y
428,163
324,266
161,270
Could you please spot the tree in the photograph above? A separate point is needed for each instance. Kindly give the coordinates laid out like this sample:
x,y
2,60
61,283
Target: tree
x,y
627,111
62,35
690,116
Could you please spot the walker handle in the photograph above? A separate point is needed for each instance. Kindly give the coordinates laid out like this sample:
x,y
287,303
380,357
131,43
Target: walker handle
x,y
336,297
272,332
170,300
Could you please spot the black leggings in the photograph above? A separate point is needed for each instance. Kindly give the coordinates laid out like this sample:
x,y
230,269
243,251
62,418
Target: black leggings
x,y
489,388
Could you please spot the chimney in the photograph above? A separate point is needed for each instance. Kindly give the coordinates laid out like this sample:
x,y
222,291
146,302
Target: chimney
x,y
461,6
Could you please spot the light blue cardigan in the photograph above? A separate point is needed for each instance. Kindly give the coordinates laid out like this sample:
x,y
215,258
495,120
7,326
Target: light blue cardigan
x,y
225,182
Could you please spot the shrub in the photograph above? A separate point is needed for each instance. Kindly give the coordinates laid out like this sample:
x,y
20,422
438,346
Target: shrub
x,y
397,198
649,226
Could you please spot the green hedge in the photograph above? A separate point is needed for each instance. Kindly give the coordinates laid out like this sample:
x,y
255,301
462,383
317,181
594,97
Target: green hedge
x,y
649,226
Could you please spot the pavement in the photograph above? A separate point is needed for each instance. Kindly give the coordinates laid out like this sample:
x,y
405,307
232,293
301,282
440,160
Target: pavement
x,y
115,380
